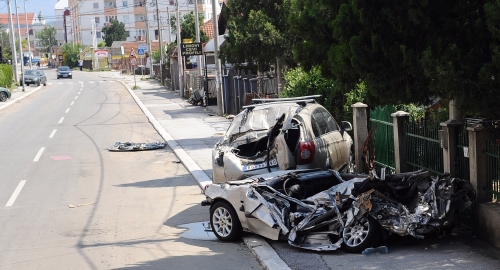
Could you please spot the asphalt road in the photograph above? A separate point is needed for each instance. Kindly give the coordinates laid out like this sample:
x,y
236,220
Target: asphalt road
x,y
68,203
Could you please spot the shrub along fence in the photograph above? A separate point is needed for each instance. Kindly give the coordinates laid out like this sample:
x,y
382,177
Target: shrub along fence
x,y
6,75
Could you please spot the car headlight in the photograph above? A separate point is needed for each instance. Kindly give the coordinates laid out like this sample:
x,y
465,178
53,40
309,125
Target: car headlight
x,y
69,73
35,79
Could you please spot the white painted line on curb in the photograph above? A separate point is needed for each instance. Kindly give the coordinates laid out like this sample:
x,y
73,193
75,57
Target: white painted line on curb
x,y
16,193
39,154
67,110
19,98
72,103
53,133
62,119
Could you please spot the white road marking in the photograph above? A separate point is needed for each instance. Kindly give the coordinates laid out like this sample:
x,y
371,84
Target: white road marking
x,y
72,103
67,110
37,157
53,133
60,83
60,121
80,82
70,82
79,93
76,97
49,83
91,82
16,193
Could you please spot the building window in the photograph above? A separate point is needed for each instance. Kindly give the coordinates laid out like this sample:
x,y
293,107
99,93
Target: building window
x,y
98,34
125,3
96,5
171,2
97,20
128,33
125,18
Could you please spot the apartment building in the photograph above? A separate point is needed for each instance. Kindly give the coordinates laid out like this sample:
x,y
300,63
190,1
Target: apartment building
x,y
62,23
137,15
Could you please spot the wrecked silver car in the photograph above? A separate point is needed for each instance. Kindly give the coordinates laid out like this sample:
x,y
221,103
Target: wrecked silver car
x,y
324,209
282,134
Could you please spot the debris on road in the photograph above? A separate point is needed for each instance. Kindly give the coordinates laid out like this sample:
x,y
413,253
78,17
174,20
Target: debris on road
x,y
130,146
372,251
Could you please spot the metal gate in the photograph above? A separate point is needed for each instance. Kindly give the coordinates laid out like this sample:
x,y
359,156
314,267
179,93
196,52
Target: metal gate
x,y
462,167
423,149
383,138
493,162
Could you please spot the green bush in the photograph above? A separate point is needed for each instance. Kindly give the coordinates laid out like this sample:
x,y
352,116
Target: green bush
x,y
6,75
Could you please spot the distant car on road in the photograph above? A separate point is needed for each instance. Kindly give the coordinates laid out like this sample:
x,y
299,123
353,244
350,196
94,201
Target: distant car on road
x,y
64,72
4,94
36,77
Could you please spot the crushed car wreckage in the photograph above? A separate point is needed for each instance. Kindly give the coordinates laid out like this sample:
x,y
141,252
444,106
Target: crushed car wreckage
x,y
130,146
323,209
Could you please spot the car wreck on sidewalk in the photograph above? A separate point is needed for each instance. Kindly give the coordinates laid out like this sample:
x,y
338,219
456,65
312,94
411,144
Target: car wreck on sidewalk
x,y
282,134
324,210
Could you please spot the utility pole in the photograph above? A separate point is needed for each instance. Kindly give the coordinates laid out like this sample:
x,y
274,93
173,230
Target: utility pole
x,y
94,44
28,34
20,45
160,41
13,43
148,38
197,30
179,56
216,58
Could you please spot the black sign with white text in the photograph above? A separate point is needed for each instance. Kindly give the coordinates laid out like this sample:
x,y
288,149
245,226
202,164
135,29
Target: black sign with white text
x,y
188,49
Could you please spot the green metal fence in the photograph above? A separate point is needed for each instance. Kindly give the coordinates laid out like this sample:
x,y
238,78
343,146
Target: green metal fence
x,y
493,164
423,149
462,167
383,138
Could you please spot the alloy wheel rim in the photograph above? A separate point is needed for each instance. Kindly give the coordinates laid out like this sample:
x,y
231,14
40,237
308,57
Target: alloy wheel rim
x,y
355,235
222,222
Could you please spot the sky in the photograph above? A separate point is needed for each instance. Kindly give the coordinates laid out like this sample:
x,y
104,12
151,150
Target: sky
x,y
47,7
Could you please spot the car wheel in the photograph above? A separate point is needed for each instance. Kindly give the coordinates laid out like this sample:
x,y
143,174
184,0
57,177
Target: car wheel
x,y
45,84
361,235
225,223
58,77
27,84
71,77
38,84
3,96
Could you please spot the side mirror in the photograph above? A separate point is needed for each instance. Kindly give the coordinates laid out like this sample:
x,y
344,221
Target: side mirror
x,y
346,126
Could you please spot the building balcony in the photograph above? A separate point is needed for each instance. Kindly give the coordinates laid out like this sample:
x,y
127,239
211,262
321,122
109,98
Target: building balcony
x,y
140,25
139,10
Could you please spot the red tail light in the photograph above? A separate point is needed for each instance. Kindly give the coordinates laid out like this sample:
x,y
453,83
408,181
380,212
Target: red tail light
x,y
306,152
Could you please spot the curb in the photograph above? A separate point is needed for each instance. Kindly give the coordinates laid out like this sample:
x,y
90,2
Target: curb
x,y
19,98
262,251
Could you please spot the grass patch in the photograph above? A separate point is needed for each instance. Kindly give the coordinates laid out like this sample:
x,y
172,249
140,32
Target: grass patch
x,y
135,87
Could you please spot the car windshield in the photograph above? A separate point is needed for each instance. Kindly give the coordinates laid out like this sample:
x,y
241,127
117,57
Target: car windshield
x,y
30,72
63,68
259,118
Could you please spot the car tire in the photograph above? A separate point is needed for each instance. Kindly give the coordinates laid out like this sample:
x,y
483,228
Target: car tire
x,y
38,84
71,77
3,96
361,235
58,77
225,222
27,84
45,84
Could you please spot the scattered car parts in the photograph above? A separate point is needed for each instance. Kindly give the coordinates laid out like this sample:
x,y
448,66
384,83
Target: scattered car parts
x,y
130,146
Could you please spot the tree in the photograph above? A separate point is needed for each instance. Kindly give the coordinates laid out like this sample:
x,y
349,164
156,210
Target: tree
x,y
101,44
5,42
258,33
188,29
47,38
409,52
114,31
71,54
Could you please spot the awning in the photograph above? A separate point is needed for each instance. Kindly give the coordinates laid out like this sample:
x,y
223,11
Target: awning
x,y
209,48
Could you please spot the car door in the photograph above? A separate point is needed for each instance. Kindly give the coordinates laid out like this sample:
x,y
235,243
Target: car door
x,y
322,140
337,144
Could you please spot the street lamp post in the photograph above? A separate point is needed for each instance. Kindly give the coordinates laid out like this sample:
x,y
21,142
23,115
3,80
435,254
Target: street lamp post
x,y
12,43
20,45
28,34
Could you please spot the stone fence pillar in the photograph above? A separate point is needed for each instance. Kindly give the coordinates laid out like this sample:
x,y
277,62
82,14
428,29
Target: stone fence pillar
x,y
449,145
399,120
360,125
477,161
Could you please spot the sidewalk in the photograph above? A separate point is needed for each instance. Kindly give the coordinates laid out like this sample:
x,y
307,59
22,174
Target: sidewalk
x,y
191,132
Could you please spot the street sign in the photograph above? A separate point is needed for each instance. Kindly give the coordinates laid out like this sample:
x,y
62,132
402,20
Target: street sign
x,y
133,61
188,49
140,51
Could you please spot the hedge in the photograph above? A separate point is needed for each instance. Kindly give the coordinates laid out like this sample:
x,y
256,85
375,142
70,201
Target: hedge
x,y
6,75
